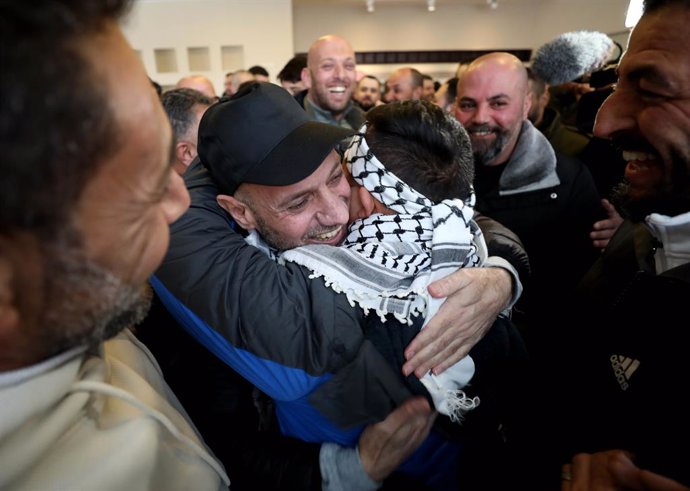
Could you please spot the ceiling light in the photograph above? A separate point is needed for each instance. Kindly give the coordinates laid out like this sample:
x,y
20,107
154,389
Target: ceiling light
x,y
431,5
493,4
370,6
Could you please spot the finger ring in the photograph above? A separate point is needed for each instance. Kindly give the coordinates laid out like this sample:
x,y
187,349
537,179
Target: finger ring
x,y
566,476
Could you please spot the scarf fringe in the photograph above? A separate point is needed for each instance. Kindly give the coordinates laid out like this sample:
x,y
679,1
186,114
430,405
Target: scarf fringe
x,y
354,299
458,404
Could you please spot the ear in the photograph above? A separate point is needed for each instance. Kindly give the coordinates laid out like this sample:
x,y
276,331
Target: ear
x,y
239,211
417,93
185,152
526,106
306,77
546,95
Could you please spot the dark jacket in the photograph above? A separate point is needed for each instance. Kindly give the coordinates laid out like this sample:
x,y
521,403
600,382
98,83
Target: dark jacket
x,y
627,356
564,139
297,329
299,337
550,201
354,116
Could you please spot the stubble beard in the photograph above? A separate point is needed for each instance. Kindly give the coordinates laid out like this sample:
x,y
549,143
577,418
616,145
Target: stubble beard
x,y
321,98
85,304
485,152
670,198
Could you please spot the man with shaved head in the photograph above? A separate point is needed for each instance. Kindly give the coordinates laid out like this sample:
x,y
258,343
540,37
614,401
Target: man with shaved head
x,y
550,201
198,82
404,84
331,78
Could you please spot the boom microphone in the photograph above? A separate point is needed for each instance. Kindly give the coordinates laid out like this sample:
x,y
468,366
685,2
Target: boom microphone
x,y
571,55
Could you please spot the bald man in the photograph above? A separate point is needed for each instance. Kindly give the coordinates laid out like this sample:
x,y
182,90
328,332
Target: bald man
x,y
404,84
331,77
198,82
549,200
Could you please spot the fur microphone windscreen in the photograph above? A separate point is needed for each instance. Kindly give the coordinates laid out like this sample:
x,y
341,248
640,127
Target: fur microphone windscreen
x,y
571,55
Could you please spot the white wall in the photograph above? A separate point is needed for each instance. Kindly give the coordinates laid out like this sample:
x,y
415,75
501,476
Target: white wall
x,y
271,31
262,27
525,24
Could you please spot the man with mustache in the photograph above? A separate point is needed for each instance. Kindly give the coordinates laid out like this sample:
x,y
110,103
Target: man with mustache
x,y
549,200
86,197
264,315
368,92
404,84
630,338
331,77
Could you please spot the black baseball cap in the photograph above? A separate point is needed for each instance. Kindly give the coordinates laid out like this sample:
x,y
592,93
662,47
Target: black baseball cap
x,y
261,135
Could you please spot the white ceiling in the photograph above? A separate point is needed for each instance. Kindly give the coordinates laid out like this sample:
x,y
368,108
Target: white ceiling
x,y
362,3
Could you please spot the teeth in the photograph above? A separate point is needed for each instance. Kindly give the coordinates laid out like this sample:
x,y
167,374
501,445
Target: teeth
x,y
482,133
337,90
327,236
639,156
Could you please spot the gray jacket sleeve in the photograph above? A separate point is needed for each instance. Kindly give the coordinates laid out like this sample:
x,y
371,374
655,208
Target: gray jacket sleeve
x,y
341,470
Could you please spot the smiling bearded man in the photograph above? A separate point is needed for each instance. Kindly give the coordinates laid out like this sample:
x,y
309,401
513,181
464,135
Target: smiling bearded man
x,y
331,78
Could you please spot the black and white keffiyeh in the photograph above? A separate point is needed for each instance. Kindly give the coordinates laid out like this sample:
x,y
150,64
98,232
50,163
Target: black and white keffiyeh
x,y
387,261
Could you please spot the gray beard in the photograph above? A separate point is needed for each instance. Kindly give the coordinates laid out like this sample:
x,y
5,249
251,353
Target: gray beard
x,y
485,153
84,303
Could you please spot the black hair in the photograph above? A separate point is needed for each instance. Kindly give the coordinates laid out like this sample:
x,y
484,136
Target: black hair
x,y
258,70
157,87
654,5
538,83
179,106
424,146
56,124
417,77
372,78
292,71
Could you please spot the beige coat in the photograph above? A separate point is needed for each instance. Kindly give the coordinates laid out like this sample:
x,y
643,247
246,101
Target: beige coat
x,y
107,421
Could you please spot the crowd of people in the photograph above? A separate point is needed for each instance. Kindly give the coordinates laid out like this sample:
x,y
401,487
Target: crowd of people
x,y
341,283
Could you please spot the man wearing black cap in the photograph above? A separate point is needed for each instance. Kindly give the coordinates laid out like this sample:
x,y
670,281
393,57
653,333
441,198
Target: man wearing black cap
x,y
297,204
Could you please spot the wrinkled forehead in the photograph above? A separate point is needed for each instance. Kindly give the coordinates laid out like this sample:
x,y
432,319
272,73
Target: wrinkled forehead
x,y
664,30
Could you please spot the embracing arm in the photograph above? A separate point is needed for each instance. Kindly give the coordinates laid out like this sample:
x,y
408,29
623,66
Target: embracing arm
x,y
476,296
258,311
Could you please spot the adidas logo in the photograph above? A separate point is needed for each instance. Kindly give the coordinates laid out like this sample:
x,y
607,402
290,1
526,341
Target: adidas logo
x,y
623,368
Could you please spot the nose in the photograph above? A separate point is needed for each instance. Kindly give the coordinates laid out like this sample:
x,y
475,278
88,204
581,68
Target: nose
x,y
614,115
481,114
338,71
334,207
177,199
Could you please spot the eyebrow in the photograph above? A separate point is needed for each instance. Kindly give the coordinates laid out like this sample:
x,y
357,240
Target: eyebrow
x,y
492,98
652,74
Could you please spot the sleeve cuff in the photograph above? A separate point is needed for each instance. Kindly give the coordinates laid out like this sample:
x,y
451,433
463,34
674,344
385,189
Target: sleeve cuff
x,y
342,470
499,262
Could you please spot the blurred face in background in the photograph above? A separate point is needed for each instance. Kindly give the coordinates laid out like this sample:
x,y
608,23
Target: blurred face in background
x,y
330,74
400,86
367,93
